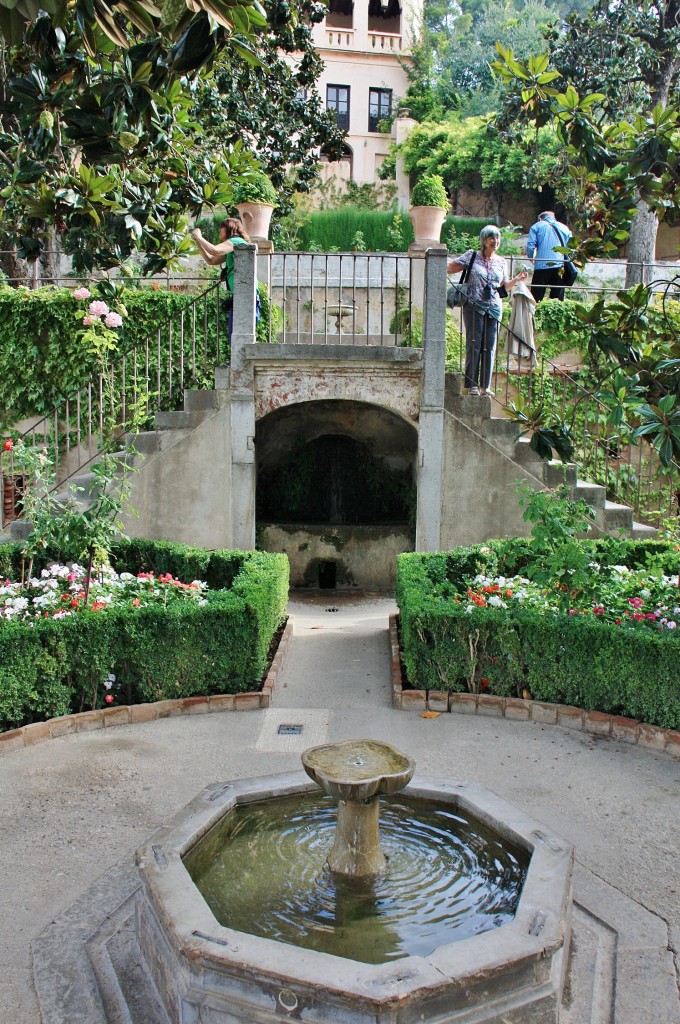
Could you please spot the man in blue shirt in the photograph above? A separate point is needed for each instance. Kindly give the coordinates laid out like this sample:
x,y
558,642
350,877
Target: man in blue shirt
x,y
545,236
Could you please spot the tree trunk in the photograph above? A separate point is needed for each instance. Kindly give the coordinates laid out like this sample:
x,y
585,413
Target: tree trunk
x,y
18,272
642,246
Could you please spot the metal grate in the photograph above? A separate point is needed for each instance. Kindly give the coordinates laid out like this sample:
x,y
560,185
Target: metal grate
x,y
290,729
332,609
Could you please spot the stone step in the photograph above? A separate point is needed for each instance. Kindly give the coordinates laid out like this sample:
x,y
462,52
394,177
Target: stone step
x,y
615,517
199,401
556,473
593,494
640,531
19,529
526,456
179,420
146,442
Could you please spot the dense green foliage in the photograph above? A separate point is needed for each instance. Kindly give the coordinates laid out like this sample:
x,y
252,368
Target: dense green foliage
x,y
103,150
559,658
43,358
58,666
470,152
451,63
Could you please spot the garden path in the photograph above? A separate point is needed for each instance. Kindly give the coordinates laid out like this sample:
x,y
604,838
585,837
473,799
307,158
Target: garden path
x,y
73,810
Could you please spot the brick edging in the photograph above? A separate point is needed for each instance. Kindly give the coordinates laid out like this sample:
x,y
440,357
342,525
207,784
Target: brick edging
x,y
130,714
597,723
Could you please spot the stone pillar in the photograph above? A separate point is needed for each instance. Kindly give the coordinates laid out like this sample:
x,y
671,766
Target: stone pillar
x,y
403,126
242,379
431,421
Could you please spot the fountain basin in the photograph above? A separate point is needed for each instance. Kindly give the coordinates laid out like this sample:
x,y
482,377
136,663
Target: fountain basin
x,y
211,974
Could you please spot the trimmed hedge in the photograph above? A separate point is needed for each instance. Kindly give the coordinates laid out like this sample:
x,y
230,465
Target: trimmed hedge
x,y
561,659
55,667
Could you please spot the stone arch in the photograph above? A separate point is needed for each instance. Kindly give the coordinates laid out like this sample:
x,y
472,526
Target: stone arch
x,y
336,490
372,387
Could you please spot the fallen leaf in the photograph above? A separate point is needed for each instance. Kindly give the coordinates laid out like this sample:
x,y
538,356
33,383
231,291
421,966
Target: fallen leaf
x,y
430,714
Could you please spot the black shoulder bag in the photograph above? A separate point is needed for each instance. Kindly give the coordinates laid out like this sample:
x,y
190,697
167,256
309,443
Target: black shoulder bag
x,y
569,272
457,295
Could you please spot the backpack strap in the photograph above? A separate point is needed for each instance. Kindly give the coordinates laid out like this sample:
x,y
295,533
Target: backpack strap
x,y
560,239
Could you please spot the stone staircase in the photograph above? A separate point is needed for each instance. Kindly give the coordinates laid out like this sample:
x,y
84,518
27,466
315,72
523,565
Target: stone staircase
x,y
481,415
170,429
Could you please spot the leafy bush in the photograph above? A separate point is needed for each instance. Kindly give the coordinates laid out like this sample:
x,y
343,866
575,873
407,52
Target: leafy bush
x,y
334,230
571,659
429,191
257,189
58,666
43,359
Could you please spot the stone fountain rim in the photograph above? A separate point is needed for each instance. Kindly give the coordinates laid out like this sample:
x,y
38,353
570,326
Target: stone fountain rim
x,y
537,931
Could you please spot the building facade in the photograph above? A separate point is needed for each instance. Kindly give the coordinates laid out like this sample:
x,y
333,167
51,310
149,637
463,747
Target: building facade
x,y
364,46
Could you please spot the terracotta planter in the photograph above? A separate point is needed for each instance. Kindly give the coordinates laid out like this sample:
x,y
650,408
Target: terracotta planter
x,y
256,218
427,222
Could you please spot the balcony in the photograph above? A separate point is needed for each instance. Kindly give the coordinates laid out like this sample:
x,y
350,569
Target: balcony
x,y
389,42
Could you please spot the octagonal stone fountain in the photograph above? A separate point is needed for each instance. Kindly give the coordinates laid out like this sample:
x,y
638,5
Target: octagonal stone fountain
x,y
443,903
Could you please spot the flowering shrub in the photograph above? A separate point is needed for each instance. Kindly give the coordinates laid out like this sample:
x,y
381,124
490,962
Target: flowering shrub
x,y
61,591
627,598
171,621
471,619
100,323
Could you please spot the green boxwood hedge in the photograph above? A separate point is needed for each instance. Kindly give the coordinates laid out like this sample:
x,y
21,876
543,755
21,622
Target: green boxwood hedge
x,y
55,667
562,659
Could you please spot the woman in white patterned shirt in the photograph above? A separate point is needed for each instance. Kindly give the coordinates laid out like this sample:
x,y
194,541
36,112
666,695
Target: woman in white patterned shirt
x,y
482,310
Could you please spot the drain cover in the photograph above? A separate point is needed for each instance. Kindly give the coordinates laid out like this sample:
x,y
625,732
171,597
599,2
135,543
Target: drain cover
x,y
332,609
290,729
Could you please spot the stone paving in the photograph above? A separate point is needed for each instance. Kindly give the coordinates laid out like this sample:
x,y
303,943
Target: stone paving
x,y
74,809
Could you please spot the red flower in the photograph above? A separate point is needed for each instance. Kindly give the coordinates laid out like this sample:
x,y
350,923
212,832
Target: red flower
x,y
109,698
8,445
485,684
136,603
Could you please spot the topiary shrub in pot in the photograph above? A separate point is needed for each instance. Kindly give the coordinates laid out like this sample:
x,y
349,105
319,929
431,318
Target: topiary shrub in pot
x,y
429,204
255,200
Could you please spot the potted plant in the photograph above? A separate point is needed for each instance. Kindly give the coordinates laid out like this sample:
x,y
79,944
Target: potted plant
x,y
429,203
255,200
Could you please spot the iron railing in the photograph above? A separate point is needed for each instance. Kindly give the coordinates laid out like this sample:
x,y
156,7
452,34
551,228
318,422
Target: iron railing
x,y
148,377
341,298
605,452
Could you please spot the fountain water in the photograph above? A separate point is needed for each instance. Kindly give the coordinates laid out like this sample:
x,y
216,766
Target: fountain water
x,y
271,929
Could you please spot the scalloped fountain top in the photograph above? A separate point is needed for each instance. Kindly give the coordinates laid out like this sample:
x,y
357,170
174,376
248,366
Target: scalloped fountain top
x,y
355,773
358,769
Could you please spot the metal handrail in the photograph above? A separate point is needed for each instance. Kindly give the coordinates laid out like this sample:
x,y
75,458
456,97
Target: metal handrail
x,y
631,472
148,377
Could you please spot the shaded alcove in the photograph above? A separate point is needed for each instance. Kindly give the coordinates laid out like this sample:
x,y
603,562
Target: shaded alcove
x,y
336,491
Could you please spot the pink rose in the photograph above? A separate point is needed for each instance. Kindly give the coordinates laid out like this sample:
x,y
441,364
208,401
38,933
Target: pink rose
x,y
113,320
81,293
98,308
88,320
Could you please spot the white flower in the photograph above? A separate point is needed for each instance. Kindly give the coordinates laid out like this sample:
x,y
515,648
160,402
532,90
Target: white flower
x,y
645,593
45,573
496,602
671,624
470,608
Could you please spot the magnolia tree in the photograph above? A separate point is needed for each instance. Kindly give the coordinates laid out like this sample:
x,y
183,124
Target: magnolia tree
x,y
607,170
101,154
